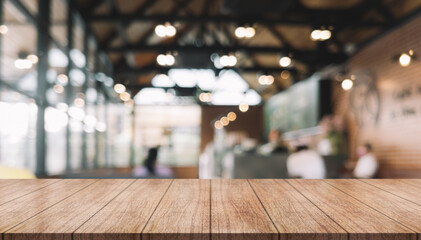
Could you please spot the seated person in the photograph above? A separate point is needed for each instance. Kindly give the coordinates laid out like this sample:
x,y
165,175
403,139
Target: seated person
x,y
367,165
306,163
150,169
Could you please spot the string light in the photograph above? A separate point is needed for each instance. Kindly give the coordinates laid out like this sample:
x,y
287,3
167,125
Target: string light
x,y
125,96
347,84
320,35
285,61
244,107
165,60
119,88
225,121
205,97
3,29
405,59
266,79
232,116
166,30
218,125
228,61
245,32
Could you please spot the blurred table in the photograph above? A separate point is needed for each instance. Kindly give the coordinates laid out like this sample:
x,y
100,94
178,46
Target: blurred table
x,y
159,209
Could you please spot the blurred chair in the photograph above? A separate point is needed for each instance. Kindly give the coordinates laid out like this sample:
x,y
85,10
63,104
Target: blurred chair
x,y
15,173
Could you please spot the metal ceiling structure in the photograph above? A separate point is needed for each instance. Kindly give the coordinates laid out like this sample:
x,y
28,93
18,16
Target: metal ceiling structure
x,y
125,30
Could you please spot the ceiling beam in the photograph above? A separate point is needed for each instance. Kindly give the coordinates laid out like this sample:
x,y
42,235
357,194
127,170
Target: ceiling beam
x,y
298,54
306,20
159,69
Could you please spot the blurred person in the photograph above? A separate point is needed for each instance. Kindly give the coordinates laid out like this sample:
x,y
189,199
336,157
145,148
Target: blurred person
x,y
367,164
150,167
306,163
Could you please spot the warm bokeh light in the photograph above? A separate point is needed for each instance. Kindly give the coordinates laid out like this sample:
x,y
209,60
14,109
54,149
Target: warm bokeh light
x,y
285,74
225,121
79,102
320,35
125,96
166,30
119,88
245,32
205,97
3,29
33,58
58,88
165,60
405,59
232,116
266,79
23,64
285,61
347,84
62,79
228,61
218,125
244,107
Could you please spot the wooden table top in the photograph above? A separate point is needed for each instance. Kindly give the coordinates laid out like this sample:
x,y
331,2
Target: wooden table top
x,y
158,209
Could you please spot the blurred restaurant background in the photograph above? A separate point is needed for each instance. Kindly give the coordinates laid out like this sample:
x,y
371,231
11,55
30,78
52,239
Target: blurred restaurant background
x,y
210,88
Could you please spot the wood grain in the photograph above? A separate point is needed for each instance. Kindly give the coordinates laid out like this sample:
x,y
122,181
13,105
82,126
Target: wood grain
x,y
409,189
295,217
22,187
183,212
358,219
126,216
397,208
6,182
21,209
153,209
237,214
59,221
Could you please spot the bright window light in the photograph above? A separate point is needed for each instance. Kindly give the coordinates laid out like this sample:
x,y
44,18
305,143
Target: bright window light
x,y
149,96
183,77
77,77
162,80
228,98
56,58
78,58
232,81
252,97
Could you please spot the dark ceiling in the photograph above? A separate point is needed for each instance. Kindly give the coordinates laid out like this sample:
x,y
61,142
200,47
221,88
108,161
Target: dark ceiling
x,y
125,30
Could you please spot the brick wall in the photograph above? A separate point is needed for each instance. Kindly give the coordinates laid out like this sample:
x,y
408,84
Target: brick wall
x,y
396,136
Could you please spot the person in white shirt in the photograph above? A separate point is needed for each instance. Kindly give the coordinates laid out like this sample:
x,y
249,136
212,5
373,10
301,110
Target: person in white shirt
x,y
367,164
306,163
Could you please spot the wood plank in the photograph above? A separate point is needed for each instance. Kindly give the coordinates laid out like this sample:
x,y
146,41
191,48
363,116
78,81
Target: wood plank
x,y
126,216
237,214
183,212
404,188
59,221
295,217
399,209
6,182
23,187
358,219
21,209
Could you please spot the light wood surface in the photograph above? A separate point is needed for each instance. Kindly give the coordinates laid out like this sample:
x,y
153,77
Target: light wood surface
x,y
294,216
236,212
62,219
12,191
183,212
126,216
358,219
220,209
400,209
